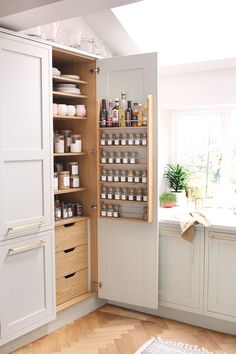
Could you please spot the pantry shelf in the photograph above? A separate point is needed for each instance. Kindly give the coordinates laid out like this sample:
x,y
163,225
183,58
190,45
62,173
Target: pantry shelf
x,y
118,201
129,183
70,190
64,94
122,128
70,154
123,146
68,80
123,219
124,164
70,220
69,118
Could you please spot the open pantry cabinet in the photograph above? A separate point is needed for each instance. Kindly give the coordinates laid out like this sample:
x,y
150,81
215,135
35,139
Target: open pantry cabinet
x,y
114,257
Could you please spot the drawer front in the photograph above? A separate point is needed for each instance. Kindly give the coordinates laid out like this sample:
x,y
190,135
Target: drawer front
x,y
71,286
71,235
71,260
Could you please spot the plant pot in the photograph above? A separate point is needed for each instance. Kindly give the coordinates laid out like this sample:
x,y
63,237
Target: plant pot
x,y
181,199
167,205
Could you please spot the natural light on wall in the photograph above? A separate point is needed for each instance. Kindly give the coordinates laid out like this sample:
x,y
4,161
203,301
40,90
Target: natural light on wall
x,y
182,31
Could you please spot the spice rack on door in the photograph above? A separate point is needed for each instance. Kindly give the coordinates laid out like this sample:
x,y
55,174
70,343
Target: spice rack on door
x,y
131,210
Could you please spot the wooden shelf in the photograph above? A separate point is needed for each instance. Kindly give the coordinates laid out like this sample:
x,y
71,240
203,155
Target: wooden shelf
x,y
122,201
69,118
129,183
76,300
64,94
68,80
123,219
70,190
121,128
122,146
70,154
124,164
70,220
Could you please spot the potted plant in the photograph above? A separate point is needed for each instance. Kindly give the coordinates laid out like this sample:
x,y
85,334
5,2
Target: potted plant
x,y
167,200
177,176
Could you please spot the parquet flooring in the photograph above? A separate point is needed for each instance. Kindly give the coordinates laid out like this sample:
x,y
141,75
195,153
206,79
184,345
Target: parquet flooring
x,y
113,330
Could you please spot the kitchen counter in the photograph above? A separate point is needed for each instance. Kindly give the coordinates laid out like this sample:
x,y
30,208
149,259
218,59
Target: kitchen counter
x,y
219,218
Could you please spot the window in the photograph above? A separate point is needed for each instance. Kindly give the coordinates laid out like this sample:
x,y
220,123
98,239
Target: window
x,y
205,142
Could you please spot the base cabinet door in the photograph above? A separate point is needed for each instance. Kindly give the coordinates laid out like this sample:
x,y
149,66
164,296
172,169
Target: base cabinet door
x,y
220,300
27,285
181,270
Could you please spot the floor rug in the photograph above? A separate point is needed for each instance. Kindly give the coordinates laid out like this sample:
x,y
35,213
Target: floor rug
x,y
159,346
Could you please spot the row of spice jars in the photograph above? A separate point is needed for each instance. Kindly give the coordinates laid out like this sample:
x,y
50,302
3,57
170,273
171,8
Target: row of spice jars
x,y
64,210
137,176
110,210
65,141
131,194
119,157
123,139
63,180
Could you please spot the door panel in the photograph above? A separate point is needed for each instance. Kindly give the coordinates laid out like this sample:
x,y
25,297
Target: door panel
x,y
25,137
128,250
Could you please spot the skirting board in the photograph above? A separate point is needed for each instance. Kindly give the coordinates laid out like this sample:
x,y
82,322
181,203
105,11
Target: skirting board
x,y
63,318
185,317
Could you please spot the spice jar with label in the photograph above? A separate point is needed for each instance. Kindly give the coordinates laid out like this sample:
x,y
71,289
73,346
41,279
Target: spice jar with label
x,y
111,157
116,176
76,143
131,194
131,139
116,211
144,176
70,210
124,194
123,140
110,176
130,177
133,158
117,194
59,146
57,209
137,140
104,175
110,193
110,210
103,139
139,195
145,195
104,157
144,139
74,181
67,139
117,139
103,193
110,139
137,176
55,181
64,180
58,167
104,210
73,167
123,176
125,158
78,209
64,212
118,157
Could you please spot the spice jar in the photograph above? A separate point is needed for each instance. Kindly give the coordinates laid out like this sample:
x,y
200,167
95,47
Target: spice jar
x,y
76,143
110,210
74,181
110,176
116,211
118,157
116,176
131,139
55,181
59,144
58,167
123,176
78,209
70,210
131,194
64,212
73,167
117,139
64,179
145,195
67,139
137,176
111,157
110,193
139,195
137,140
133,157
130,176
104,175
110,139
117,194
125,158
103,140
144,139
104,157
57,209
144,176
103,193
124,194
123,139
104,210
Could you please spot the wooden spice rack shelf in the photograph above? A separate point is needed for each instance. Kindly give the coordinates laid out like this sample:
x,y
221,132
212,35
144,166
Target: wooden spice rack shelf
x,y
122,146
121,128
129,183
121,218
70,190
124,164
123,201
69,118
64,94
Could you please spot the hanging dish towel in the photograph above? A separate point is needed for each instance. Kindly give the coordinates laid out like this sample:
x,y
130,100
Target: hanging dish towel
x,y
188,222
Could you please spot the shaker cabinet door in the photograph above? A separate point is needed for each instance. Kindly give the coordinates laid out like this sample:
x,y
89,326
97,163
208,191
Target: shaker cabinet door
x,y
25,162
27,298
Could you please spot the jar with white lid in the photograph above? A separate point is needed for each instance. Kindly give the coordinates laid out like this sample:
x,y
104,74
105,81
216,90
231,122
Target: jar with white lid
x,y
59,144
76,143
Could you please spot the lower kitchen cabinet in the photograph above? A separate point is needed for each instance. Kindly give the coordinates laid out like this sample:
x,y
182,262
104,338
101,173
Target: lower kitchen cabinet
x,y
220,281
181,270
27,298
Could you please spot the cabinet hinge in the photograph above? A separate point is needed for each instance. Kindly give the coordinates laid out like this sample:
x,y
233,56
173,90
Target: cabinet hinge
x,y
96,70
95,283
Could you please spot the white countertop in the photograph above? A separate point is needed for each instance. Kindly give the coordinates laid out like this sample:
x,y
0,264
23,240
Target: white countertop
x,y
222,219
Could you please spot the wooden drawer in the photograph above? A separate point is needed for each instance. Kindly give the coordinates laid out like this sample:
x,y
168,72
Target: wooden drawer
x,y
71,260
71,235
71,286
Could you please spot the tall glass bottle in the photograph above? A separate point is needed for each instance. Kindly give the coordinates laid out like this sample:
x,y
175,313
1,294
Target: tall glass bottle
x,y
128,114
109,115
122,110
103,115
135,115
115,114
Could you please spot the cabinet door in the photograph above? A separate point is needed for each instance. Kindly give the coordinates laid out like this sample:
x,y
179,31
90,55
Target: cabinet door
x,y
25,149
220,276
128,250
27,285
181,270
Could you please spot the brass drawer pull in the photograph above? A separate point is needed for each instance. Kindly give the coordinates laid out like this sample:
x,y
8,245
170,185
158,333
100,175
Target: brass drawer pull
x,y
22,227
69,275
21,249
69,250
221,238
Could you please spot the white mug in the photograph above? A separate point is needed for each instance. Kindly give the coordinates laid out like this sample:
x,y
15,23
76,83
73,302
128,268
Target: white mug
x,y
62,109
70,110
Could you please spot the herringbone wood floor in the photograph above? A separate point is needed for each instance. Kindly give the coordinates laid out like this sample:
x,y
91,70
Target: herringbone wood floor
x,y
113,330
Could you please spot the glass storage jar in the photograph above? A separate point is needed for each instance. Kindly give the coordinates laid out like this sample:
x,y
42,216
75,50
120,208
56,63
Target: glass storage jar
x,y
117,139
116,176
104,175
111,157
123,176
144,139
103,139
125,158
118,157
110,193
133,157
123,140
117,194
124,194
104,210
130,177
145,195
110,176
76,143
144,176
131,194
116,211
131,139
137,140
103,193
74,181
110,210
64,180
73,167
139,195
104,157
59,145
137,176
67,139
110,139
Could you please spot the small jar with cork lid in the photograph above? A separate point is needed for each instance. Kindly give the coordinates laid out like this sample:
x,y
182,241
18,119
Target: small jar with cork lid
x,y
116,176
131,194
104,209
137,176
104,157
110,211
103,192
103,140
110,139
110,176
116,211
123,176
104,175
130,177
117,139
